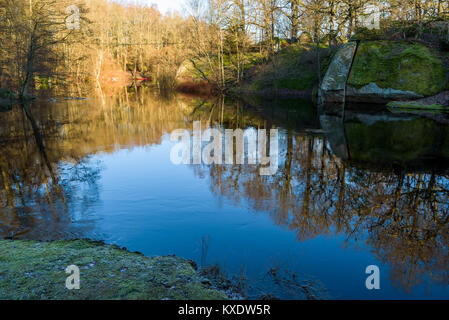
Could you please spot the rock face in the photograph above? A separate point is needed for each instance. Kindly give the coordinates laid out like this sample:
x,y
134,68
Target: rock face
x,y
373,93
334,82
384,71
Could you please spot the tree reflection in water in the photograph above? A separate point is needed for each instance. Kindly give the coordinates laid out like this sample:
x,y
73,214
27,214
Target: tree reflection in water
x,y
334,177
398,208
39,192
48,180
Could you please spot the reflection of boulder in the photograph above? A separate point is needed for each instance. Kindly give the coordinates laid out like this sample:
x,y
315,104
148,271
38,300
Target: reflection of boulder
x,y
388,139
332,125
400,141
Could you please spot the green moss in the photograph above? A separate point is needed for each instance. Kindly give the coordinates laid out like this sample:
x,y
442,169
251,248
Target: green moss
x,y
399,65
306,82
293,68
415,106
36,270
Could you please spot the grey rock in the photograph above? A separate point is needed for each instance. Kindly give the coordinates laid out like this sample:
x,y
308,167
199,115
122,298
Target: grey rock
x,y
373,93
334,82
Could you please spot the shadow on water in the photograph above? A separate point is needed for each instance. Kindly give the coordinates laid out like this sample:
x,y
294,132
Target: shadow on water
x,y
380,180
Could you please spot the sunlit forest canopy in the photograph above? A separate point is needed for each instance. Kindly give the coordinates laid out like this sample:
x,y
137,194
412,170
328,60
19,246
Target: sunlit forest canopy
x,y
221,39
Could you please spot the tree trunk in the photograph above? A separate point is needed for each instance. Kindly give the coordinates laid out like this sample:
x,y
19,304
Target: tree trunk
x,y
28,69
294,19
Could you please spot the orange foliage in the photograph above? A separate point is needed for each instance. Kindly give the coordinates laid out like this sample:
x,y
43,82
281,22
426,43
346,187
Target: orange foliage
x,y
202,88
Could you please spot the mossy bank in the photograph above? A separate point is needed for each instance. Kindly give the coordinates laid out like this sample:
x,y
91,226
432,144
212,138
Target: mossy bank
x,y
36,270
293,72
360,71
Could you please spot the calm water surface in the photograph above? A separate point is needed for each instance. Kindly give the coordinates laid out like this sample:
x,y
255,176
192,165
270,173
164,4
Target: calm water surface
x,y
369,190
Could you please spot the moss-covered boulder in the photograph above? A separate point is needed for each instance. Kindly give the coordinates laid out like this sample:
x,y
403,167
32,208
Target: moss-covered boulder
x,y
383,71
36,270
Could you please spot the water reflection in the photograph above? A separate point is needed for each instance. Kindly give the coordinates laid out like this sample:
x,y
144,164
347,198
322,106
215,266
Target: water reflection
x,y
399,208
381,179
37,191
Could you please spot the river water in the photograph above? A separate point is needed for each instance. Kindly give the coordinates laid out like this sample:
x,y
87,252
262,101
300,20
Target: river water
x,y
371,189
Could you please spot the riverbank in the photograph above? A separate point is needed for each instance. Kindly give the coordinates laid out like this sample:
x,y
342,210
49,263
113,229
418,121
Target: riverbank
x,y
36,270
293,72
382,66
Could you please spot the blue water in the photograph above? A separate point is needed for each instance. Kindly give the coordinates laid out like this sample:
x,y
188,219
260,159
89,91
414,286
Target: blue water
x,y
174,209
137,198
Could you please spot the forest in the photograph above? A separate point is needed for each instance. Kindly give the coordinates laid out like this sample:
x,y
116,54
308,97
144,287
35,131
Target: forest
x,y
219,42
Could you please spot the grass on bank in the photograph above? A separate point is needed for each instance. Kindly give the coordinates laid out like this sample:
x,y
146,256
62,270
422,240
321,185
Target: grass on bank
x,y
294,69
36,270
